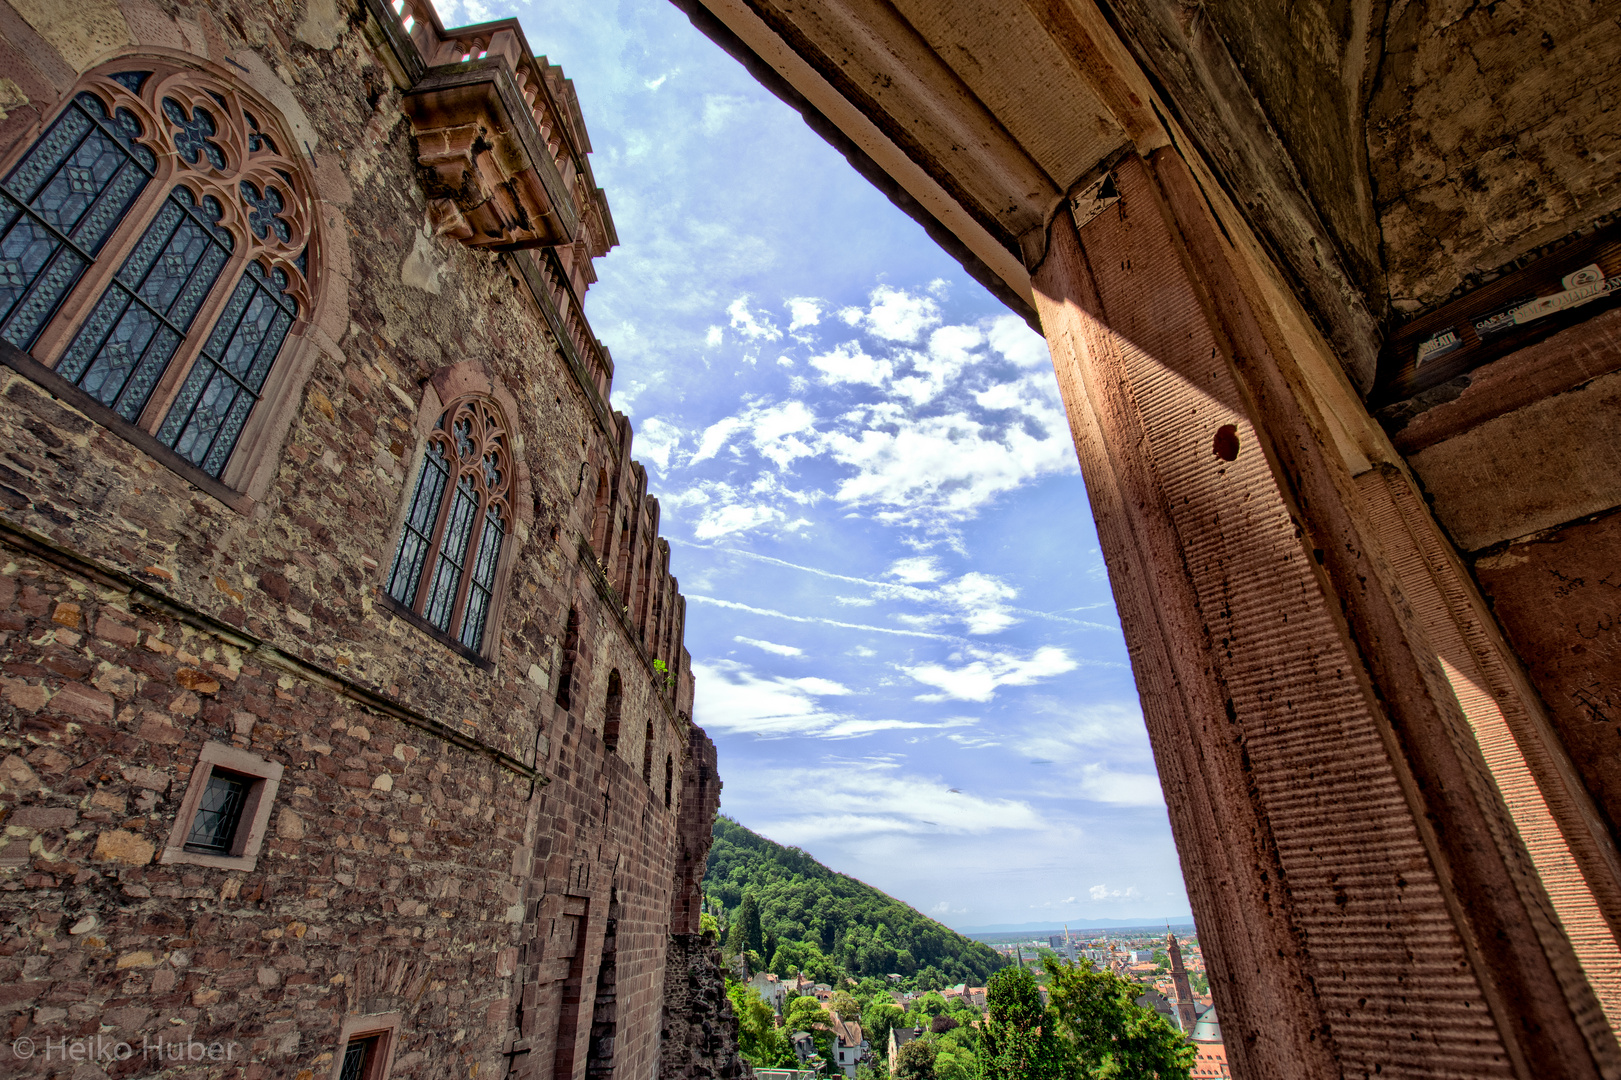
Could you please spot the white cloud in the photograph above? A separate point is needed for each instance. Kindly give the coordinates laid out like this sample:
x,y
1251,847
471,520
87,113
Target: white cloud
x,y
770,646
713,337
1099,783
979,679
738,517
776,432
950,351
731,697
654,84
916,570
725,509
656,441
897,315
1099,752
803,311
719,109
715,437
1012,337
1103,892
845,798
1000,396
981,601
847,363
854,601
940,469
754,327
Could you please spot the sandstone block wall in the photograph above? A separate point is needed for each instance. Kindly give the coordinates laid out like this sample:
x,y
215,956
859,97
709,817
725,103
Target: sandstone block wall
x,y
453,842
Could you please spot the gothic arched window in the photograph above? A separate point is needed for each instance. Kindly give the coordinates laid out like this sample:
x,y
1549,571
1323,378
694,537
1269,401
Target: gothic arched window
x,y
450,546
155,252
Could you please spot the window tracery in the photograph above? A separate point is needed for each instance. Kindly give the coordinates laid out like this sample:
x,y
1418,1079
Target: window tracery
x,y
450,545
155,252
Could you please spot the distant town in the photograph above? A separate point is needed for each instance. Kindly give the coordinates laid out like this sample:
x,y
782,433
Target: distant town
x,y
1170,970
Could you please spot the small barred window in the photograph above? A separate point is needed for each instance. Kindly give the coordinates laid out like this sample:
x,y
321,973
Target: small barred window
x,y
450,546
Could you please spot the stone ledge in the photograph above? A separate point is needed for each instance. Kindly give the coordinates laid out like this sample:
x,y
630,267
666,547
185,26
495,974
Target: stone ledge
x,y
142,595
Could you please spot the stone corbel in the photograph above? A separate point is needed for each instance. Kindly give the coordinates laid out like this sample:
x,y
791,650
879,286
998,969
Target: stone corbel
x,y
490,179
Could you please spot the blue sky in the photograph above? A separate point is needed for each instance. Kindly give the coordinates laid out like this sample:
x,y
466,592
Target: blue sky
x,y
899,619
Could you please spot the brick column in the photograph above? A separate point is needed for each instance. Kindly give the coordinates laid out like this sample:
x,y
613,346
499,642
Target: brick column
x,y
1367,905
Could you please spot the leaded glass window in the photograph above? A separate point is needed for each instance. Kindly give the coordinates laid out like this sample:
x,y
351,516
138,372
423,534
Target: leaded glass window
x,y
450,545
213,830
158,214
224,383
131,335
59,206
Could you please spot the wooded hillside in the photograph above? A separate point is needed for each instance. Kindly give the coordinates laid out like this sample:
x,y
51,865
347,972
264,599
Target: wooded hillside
x,y
812,919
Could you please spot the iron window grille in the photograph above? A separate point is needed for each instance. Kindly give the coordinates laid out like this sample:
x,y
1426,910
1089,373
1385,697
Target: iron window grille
x,y
213,830
358,1057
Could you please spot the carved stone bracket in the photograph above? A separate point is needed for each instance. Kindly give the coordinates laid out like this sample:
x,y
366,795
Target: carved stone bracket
x,y
490,178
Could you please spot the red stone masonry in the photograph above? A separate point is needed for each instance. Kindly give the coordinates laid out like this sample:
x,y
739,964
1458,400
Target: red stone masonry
x,y
452,857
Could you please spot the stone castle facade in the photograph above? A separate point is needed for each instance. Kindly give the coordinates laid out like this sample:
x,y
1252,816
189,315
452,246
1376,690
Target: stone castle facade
x,y
346,719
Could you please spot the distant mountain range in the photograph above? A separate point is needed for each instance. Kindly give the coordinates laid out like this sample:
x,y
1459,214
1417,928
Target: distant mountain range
x,y
1039,929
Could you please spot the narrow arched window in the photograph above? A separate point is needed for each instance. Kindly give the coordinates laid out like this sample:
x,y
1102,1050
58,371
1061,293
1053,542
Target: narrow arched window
x,y
610,722
450,546
565,667
669,779
155,247
599,517
647,757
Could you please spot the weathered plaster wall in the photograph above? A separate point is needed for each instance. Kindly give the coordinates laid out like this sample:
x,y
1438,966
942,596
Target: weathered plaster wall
x,y
1307,64
1491,131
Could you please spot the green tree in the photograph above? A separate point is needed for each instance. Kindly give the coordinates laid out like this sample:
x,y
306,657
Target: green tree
x,y
805,1013
758,1037
878,1018
1017,1041
845,1005
748,922
1112,1036
914,1061
954,1061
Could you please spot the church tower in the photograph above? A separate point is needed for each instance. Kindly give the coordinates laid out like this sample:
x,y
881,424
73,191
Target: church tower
x,y
1184,992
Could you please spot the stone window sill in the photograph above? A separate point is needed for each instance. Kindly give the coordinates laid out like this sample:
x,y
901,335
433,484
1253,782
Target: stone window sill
x,y
483,663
